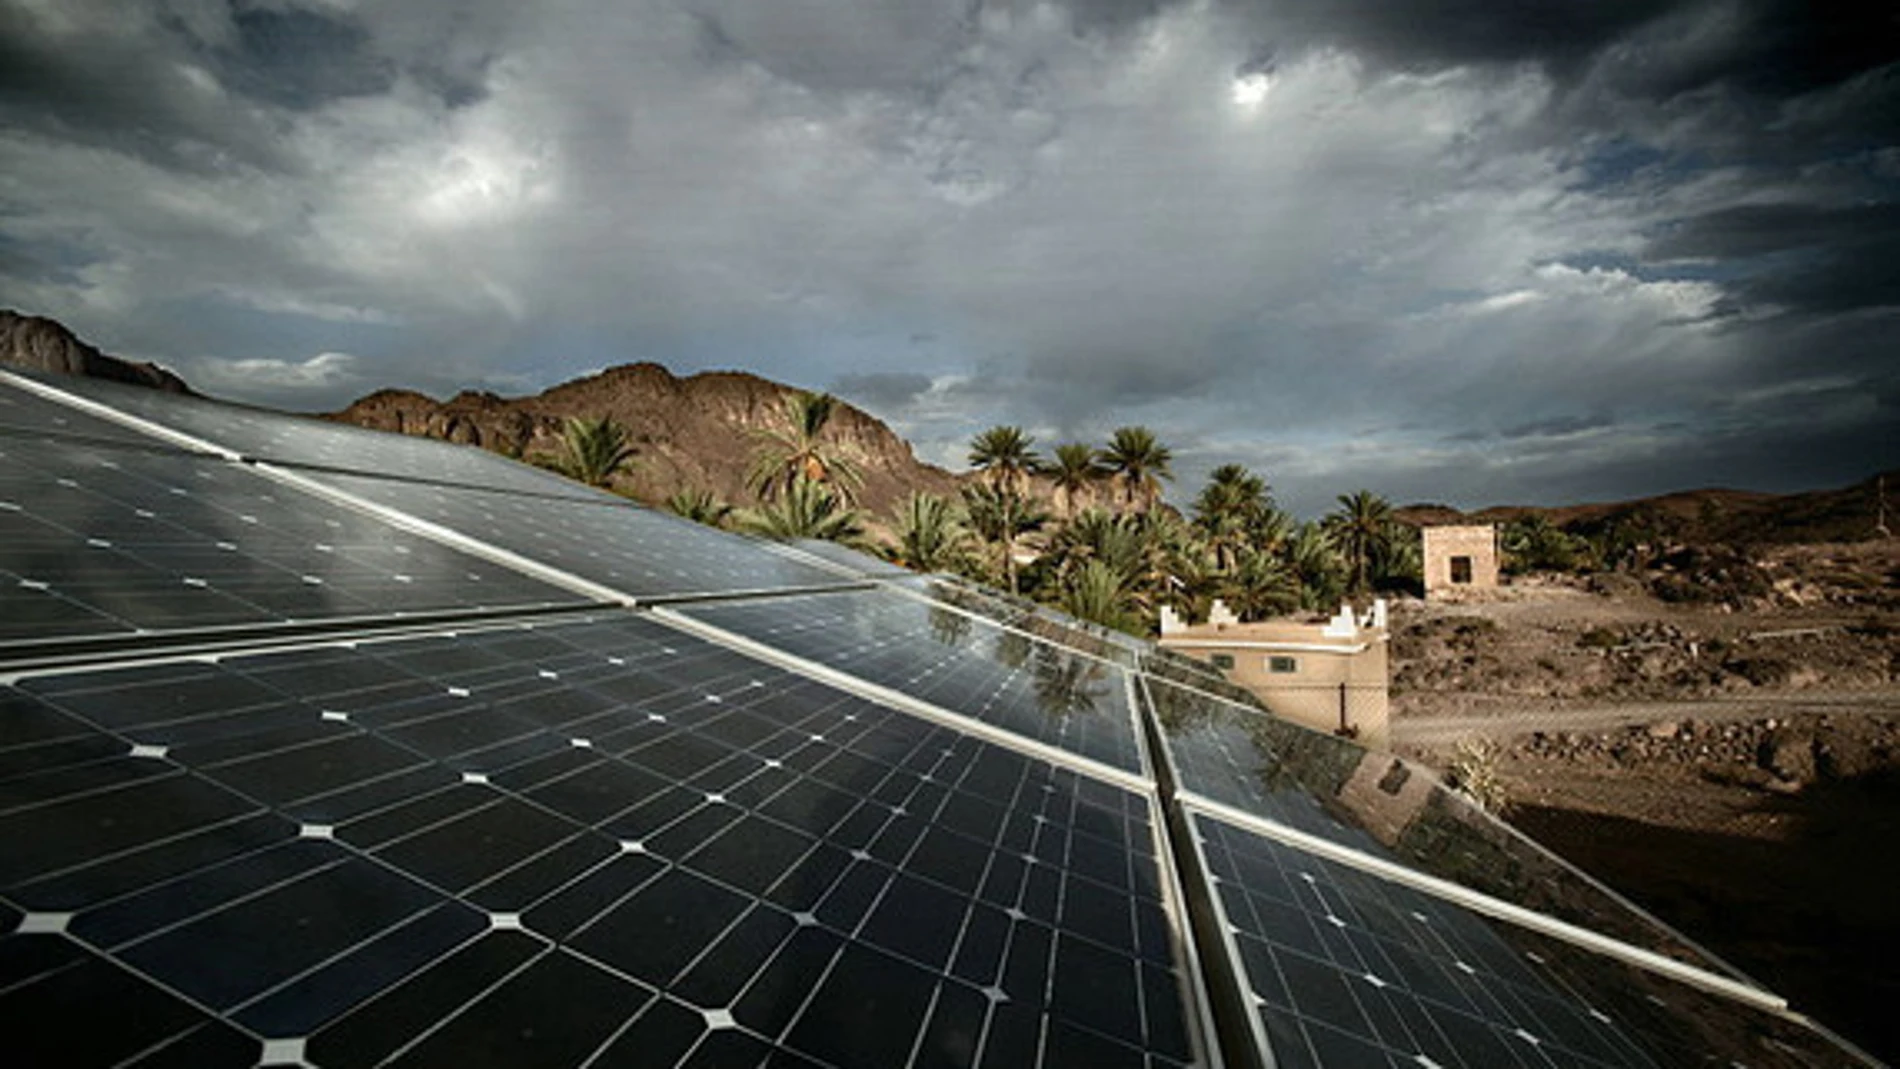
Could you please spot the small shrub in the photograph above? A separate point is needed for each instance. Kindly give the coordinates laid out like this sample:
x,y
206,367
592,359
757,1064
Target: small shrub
x,y
1473,772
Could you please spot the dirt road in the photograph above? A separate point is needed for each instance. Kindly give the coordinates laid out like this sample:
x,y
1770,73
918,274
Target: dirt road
x,y
1443,731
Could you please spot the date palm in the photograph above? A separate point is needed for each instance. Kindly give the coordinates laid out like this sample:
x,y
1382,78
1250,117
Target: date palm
x,y
1006,457
1075,469
1360,528
592,450
795,448
1228,511
1139,461
806,508
699,505
931,536
1000,518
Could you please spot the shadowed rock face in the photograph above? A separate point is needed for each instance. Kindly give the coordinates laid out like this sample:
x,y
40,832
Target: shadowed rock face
x,y
45,345
697,431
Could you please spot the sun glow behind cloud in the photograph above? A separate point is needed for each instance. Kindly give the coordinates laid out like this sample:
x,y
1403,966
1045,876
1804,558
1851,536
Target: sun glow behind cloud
x,y
1250,91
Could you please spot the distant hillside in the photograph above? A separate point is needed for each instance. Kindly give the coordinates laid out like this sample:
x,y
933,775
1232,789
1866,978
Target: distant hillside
x,y
46,345
696,431
1699,516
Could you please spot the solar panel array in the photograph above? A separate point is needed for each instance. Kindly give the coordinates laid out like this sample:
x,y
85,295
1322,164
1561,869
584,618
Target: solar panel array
x,y
326,748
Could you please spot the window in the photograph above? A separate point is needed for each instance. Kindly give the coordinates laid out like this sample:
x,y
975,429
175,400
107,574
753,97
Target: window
x,y
1461,569
1282,665
1223,661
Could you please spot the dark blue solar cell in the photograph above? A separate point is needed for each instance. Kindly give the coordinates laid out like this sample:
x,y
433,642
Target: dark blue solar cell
x,y
1040,690
1341,964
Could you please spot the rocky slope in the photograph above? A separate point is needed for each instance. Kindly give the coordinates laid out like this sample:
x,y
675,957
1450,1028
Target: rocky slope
x,y
696,431
43,344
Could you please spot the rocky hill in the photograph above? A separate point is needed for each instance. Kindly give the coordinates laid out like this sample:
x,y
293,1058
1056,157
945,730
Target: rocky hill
x,y
46,345
696,431
1705,516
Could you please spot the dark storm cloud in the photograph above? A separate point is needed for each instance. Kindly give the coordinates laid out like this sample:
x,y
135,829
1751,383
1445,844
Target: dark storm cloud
x,y
1797,256
300,59
115,80
881,391
1446,249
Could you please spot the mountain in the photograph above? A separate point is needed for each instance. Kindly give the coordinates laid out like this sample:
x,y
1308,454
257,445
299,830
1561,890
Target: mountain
x,y
696,431
1846,514
46,345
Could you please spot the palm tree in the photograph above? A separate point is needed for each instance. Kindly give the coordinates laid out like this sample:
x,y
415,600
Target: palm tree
x,y
1000,518
794,450
1077,467
1140,462
806,508
1360,529
592,450
1228,511
931,536
699,505
1004,456
1099,593
1310,553
1261,585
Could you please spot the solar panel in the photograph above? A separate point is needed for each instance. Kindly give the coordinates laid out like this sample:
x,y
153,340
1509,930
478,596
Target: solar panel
x,y
102,540
638,551
513,847
1343,968
281,438
1372,802
25,414
856,562
1044,623
262,803
1006,678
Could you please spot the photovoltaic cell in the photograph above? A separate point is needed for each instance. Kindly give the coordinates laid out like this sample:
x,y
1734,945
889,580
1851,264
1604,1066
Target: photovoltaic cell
x,y
302,440
1006,678
1374,803
632,549
101,540
591,842
857,563
1343,968
1092,639
25,414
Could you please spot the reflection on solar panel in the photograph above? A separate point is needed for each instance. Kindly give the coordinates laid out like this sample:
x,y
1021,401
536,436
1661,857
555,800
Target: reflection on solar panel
x,y
1371,802
1033,688
24,413
103,540
273,436
515,845
1348,969
862,564
290,775
635,550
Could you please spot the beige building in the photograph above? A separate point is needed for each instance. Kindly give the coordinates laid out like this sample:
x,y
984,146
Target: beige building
x,y
1458,559
1330,677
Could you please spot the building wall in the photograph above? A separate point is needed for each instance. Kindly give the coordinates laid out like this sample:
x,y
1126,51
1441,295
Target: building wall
x,y
1322,681
1441,544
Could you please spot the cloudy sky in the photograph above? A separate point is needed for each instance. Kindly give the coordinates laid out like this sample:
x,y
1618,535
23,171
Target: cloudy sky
x,y
1466,251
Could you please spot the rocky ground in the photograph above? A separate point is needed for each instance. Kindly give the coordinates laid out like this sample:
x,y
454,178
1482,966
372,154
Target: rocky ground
x,y
1730,761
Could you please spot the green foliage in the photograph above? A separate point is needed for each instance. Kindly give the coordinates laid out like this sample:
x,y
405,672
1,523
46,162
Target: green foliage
x,y
1473,772
1534,544
699,505
806,508
1076,468
1361,528
1139,462
1099,593
1000,517
931,535
1006,457
592,450
795,448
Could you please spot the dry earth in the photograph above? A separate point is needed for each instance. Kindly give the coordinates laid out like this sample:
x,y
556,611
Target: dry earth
x,y
1731,764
